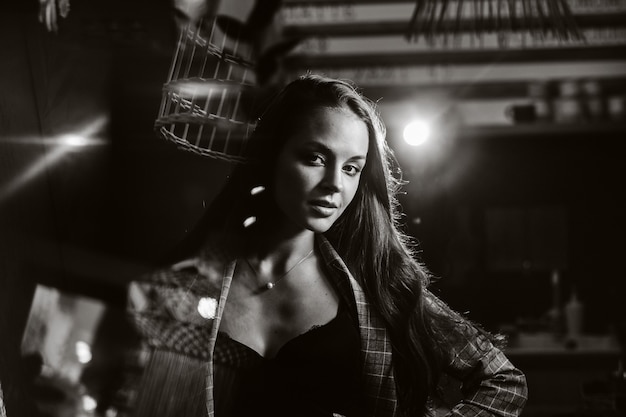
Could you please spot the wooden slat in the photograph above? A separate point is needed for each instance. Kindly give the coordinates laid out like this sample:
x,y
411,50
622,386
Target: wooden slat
x,y
400,27
536,55
339,2
479,90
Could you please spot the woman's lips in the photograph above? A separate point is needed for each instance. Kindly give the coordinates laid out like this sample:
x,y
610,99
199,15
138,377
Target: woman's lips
x,y
324,208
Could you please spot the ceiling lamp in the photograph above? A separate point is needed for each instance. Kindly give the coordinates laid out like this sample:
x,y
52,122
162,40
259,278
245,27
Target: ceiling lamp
x,y
217,76
439,19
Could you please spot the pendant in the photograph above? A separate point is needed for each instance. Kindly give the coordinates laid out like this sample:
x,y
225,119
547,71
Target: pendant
x,y
269,285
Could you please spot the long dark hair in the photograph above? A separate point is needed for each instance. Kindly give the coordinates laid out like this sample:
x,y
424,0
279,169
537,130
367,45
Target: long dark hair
x,y
384,261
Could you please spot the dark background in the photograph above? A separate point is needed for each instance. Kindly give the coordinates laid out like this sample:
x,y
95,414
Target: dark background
x,y
493,215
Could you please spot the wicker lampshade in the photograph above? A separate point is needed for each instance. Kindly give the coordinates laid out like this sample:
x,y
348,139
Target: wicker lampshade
x,y
203,106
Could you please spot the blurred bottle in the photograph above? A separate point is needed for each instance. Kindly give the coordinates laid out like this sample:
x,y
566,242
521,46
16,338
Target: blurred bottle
x,y
555,314
538,92
594,101
618,380
574,317
568,106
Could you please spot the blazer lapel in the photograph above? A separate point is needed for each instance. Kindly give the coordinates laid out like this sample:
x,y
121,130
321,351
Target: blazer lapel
x,y
229,272
375,344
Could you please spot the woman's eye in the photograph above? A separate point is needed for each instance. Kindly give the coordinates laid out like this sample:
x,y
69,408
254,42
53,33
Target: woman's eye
x,y
315,159
352,170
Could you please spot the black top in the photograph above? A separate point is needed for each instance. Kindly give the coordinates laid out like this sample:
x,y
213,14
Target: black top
x,y
315,374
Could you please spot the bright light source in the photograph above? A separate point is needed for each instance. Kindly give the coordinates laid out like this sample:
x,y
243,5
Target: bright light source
x,y
416,132
87,135
189,89
83,352
89,403
207,307
74,140
249,221
257,190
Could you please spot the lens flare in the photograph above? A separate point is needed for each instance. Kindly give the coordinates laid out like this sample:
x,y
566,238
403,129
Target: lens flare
x,y
416,133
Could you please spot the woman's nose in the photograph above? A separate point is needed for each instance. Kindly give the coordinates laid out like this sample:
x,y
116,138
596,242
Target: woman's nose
x,y
333,179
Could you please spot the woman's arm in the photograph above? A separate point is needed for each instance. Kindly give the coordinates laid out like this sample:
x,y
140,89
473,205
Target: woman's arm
x,y
491,384
3,412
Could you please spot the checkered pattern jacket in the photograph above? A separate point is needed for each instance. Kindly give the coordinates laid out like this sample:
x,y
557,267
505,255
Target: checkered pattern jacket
x,y
3,412
178,311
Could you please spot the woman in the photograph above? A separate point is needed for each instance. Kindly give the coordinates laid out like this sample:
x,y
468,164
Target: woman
x,y
299,294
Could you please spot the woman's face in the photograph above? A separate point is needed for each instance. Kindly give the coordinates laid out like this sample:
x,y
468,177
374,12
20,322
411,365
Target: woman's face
x,y
319,168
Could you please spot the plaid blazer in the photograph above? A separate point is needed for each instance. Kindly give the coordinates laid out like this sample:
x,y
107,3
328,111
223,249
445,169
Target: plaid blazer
x,y
178,311
3,411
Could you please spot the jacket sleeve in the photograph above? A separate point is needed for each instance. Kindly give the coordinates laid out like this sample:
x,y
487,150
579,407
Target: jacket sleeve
x,y
173,311
491,384
3,412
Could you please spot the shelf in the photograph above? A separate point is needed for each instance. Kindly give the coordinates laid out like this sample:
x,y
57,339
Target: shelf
x,y
345,28
547,133
537,129
537,55
485,89
546,344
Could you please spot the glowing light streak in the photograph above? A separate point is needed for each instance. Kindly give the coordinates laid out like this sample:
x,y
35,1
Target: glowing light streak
x,y
56,147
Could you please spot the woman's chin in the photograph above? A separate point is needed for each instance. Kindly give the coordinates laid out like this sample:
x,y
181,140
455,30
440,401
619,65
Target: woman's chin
x,y
320,225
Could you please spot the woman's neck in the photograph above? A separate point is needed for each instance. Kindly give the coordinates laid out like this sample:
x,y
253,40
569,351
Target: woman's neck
x,y
273,252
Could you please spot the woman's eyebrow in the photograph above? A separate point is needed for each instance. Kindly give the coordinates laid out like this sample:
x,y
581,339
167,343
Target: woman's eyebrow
x,y
317,146
358,158
325,149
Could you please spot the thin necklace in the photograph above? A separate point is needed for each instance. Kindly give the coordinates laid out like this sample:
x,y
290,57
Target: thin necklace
x,y
271,284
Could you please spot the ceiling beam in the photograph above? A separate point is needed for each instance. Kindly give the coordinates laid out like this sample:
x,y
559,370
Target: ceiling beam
x,y
339,2
535,55
343,29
